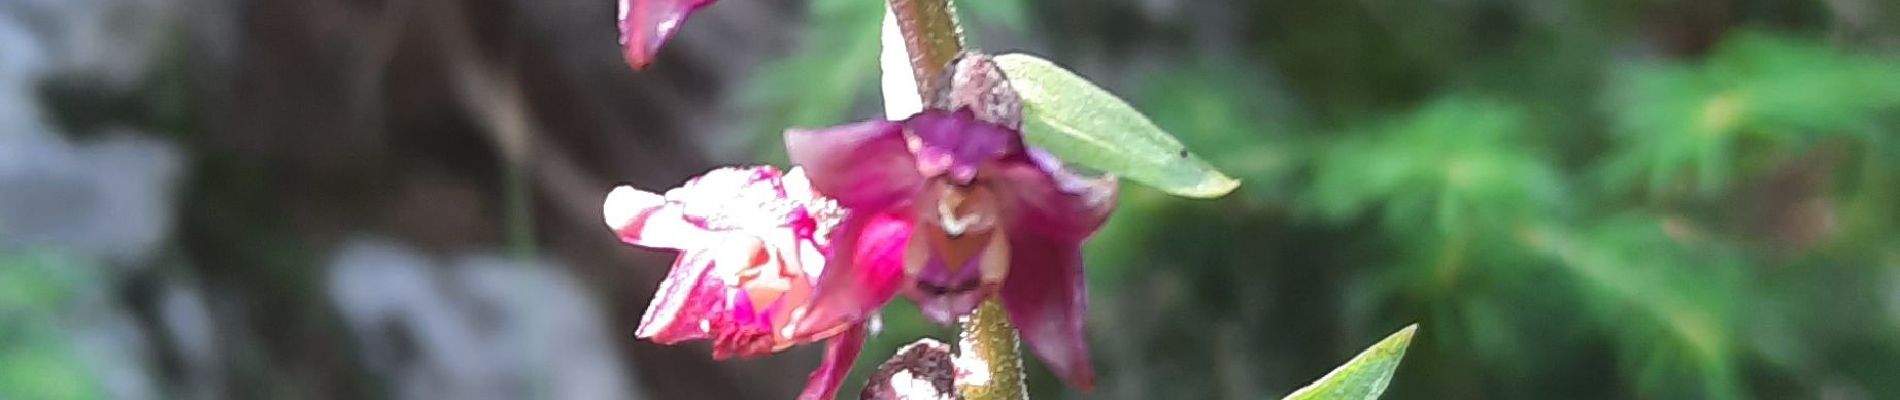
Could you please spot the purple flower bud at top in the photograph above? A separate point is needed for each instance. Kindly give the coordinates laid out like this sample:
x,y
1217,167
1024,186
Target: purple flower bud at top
x,y
645,25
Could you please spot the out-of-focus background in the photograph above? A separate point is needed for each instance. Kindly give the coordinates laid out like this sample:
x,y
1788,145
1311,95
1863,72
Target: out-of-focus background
x,y
400,198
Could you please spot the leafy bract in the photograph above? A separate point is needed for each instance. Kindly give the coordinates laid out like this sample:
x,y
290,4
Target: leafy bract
x,y
1366,375
1083,124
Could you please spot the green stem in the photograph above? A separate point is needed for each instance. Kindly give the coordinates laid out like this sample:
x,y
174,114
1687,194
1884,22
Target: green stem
x,y
931,36
988,342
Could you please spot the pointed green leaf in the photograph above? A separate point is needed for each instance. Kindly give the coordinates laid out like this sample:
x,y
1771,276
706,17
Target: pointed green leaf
x,y
1365,376
1083,124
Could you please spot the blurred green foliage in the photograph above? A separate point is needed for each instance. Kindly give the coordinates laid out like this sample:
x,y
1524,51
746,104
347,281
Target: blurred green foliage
x,y
1455,166
38,359
819,83
833,69
1756,95
1623,199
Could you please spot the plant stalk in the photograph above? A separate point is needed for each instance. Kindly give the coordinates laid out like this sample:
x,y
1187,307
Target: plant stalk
x,y
989,361
931,36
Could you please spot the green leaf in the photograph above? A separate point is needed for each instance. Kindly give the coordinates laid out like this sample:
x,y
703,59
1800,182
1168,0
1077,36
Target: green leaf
x,y
1366,376
1083,124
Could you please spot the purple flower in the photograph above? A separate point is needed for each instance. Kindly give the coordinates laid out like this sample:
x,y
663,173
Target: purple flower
x,y
647,24
971,211
752,242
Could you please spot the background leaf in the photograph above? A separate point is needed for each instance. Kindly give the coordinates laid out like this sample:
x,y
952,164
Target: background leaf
x,y
1083,124
821,85
1366,375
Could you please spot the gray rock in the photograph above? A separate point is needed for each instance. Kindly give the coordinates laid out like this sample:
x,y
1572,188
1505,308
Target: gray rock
x,y
108,199
480,327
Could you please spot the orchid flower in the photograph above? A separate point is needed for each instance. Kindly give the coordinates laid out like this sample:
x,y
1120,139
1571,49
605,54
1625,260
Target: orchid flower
x,y
752,241
970,211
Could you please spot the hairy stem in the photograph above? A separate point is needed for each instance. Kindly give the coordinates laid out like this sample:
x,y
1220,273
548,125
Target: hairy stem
x,y
990,363
931,36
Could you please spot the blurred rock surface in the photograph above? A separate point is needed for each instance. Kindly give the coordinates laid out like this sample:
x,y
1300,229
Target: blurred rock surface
x,y
478,327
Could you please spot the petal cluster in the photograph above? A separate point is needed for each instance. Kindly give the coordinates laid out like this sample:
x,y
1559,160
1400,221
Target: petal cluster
x,y
752,242
950,210
943,207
